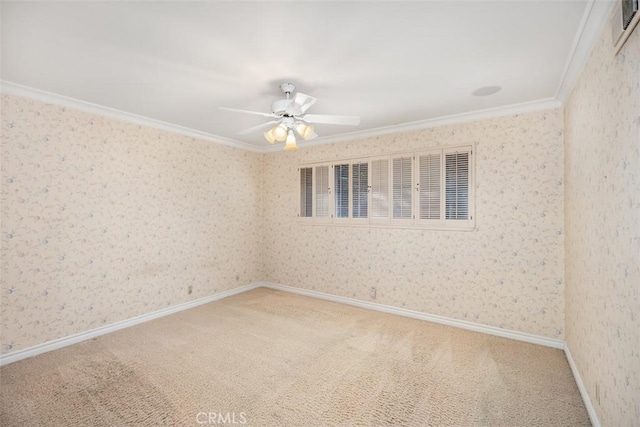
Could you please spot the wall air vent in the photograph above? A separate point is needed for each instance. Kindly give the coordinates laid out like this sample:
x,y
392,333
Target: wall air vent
x,y
629,10
624,20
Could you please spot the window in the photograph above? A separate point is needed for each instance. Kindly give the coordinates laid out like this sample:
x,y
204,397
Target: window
x,y
443,183
360,190
306,192
402,188
322,191
429,186
457,185
431,189
341,190
314,192
379,190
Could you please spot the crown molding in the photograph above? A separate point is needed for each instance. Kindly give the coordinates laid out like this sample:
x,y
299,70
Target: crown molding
x,y
593,20
471,116
16,89
595,16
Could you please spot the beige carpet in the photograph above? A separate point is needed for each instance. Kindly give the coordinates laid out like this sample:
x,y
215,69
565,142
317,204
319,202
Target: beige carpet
x,y
275,359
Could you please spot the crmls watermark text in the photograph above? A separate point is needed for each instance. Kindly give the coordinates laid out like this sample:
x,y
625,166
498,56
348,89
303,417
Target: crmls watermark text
x,y
221,418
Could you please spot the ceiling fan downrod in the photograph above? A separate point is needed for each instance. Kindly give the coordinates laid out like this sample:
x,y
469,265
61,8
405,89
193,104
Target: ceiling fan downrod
x,y
288,88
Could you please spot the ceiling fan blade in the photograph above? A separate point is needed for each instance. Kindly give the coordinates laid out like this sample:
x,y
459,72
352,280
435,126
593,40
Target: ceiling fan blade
x,y
257,113
300,103
330,119
259,127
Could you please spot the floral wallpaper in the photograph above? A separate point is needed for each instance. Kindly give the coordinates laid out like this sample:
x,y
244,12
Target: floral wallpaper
x,y
602,199
508,273
104,220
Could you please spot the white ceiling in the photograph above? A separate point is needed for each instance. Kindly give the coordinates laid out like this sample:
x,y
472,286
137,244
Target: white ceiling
x,y
389,62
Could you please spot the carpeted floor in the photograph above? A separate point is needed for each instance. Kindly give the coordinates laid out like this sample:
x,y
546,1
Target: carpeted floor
x,y
271,358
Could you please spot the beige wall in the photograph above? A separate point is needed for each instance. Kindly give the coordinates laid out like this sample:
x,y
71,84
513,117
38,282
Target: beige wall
x,y
104,220
602,200
508,273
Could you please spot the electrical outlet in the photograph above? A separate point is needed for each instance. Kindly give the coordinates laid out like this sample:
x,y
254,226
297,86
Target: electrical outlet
x,y
372,292
190,289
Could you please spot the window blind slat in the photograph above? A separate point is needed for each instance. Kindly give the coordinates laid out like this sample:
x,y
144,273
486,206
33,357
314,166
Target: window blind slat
x,y
457,186
360,186
322,191
341,190
402,188
429,197
306,192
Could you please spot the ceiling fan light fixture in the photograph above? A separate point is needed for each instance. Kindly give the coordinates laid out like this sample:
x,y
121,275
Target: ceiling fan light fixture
x,y
268,135
305,130
290,144
291,118
280,132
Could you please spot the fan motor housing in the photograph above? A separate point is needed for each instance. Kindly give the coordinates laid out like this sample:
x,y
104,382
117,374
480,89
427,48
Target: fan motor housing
x,y
288,87
280,106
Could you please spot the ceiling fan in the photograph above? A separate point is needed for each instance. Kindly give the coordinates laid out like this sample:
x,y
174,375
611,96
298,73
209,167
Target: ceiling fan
x,y
290,115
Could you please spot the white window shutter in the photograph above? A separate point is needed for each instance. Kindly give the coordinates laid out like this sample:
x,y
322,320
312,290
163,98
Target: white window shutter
x,y
322,191
429,183
360,190
431,189
306,192
402,188
341,190
380,194
457,185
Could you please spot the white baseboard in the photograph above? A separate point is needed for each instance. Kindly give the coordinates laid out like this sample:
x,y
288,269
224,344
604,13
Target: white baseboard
x,y
83,336
583,390
476,327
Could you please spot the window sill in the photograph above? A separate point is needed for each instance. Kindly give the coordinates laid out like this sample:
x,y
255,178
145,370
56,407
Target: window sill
x,y
392,226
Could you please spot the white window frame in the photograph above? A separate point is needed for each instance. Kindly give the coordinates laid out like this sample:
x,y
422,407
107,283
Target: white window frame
x,y
410,220
379,220
311,218
458,223
352,219
442,221
340,219
325,219
414,222
418,212
314,219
